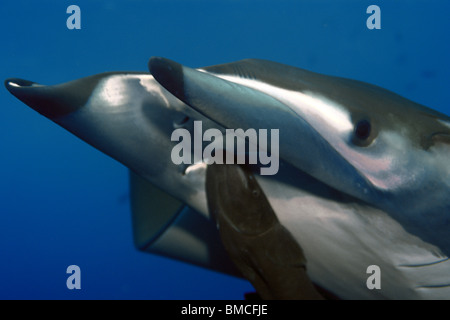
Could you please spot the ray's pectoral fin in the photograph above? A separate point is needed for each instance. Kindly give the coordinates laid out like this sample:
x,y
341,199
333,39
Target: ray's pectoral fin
x,y
262,249
166,226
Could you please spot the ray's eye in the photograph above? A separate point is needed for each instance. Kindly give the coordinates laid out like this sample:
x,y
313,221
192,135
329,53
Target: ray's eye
x,y
181,122
362,134
362,130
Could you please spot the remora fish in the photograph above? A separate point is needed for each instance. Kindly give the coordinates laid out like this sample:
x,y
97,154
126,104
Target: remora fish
x,y
263,250
363,178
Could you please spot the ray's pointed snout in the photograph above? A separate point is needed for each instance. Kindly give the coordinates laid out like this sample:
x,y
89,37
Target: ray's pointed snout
x,y
52,101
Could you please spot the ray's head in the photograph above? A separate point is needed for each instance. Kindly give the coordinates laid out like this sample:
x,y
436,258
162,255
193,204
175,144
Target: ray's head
x,y
356,137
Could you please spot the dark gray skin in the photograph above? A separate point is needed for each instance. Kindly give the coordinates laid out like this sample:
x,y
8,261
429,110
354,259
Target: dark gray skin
x,y
262,249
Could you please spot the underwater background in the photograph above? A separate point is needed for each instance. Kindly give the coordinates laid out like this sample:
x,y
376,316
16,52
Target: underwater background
x,y
62,202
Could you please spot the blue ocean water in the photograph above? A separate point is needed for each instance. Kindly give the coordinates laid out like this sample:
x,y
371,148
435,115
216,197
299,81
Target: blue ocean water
x,y
63,202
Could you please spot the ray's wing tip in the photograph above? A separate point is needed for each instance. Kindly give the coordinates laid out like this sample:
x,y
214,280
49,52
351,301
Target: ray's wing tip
x,y
15,84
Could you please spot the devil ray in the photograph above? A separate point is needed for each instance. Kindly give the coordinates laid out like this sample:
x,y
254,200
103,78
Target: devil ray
x,y
363,176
